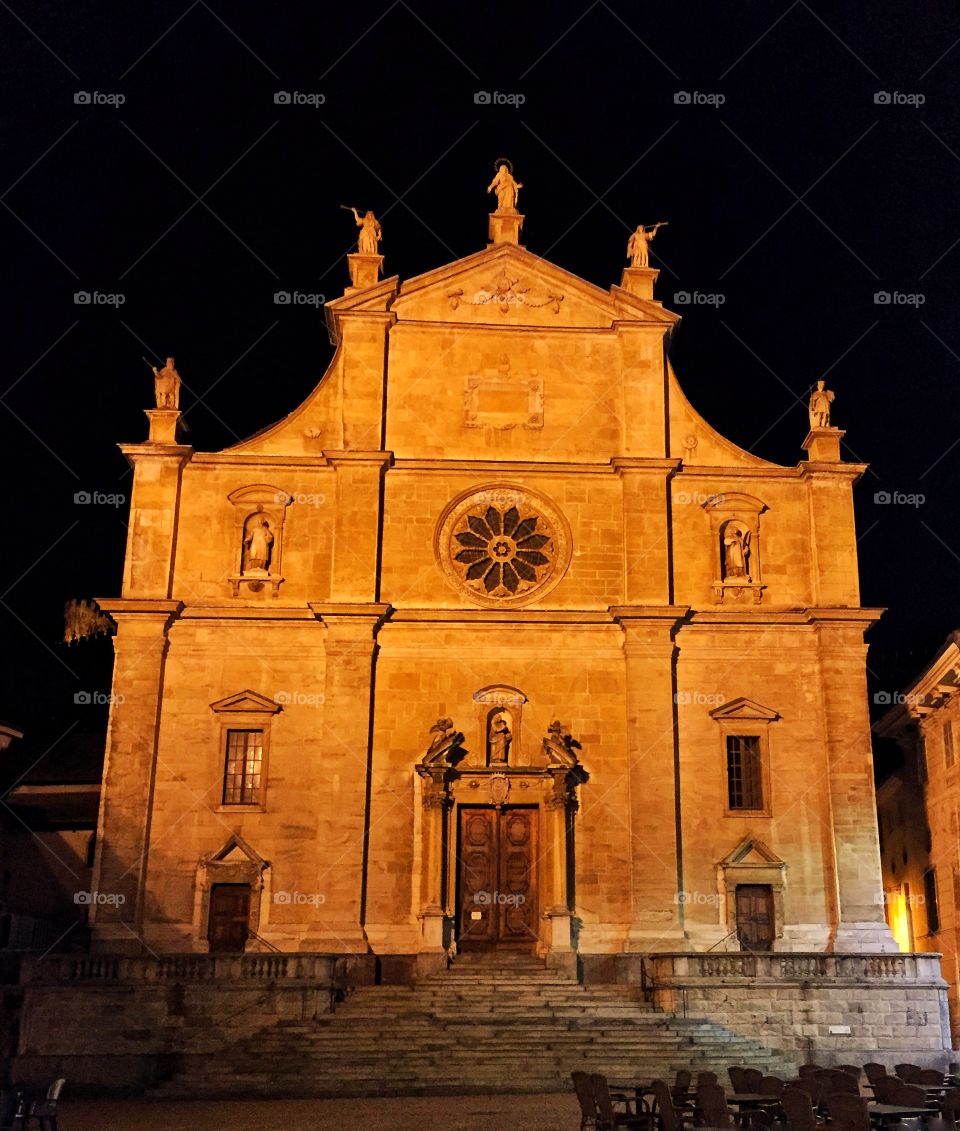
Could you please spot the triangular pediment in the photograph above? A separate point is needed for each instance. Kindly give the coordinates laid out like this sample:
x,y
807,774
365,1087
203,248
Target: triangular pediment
x,y
246,701
504,285
746,709
752,850
236,851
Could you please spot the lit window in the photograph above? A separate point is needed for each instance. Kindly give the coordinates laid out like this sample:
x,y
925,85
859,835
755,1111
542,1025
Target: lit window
x,y
744,782
244,765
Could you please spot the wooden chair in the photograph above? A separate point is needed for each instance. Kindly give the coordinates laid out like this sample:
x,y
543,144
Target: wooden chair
x,y
843,1083
929,1076
950,1105
873,1070
706,1078
884,1089
670,1118
809,1069
797,1105
849,1113
609,1117
853,1069
908,1072
45,1111
752,1078
583,1086
909,1095
770,1086
737,1079
680,1092
712,1106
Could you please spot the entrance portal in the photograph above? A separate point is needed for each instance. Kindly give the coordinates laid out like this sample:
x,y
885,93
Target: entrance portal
x,y
755,918
497,855
229,923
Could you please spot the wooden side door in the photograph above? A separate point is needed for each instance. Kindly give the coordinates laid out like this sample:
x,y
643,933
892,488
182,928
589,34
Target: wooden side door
x,y
498,903
755,919
229,921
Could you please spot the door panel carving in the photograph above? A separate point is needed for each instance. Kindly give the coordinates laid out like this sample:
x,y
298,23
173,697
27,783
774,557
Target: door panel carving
x,y
498,878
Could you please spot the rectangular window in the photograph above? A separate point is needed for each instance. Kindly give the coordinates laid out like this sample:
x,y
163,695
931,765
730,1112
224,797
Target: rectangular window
x,y
241,778
948,751
930,899
921,759
744,782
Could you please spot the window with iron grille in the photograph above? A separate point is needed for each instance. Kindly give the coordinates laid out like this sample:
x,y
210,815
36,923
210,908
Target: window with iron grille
x,y
744,780
244,766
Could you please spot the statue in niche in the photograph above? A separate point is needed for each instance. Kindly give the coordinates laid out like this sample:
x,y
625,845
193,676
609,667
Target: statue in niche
x,y
506,188
445,740
166,385
561,747
820,401
368,242
257,543
736,552
499,738
638,246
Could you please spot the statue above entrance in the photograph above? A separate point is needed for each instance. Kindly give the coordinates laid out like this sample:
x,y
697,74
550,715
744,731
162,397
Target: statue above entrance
x,y
506,188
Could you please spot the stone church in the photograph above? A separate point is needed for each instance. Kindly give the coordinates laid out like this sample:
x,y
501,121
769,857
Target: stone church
x,y
492,642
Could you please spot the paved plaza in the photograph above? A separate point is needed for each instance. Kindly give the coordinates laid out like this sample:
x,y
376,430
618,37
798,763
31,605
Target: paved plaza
x,y
452,1113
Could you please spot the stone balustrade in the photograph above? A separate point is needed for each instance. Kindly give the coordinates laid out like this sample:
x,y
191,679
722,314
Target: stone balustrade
x,y
684,968
317,970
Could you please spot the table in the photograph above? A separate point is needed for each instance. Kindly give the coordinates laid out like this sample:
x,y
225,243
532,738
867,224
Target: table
x,y
755,1098
883,1112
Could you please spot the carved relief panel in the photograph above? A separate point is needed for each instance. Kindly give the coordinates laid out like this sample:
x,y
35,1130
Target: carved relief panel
x,y
501,400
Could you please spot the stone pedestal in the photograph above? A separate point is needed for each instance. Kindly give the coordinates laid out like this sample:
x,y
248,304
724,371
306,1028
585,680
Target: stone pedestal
x,y
505,227
823,445
163,425
364,271
639,281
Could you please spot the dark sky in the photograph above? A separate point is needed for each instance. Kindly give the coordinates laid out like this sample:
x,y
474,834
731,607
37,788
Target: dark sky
x,y
796,199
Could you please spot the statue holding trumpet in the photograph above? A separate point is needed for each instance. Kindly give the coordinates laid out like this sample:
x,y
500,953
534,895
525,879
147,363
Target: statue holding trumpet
x,y
370,231
638,246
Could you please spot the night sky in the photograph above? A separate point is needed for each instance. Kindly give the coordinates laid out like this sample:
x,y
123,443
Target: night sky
x,y
806,156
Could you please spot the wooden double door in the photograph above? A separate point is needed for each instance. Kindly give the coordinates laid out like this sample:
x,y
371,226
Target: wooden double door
x,y
229,924
756,926
497,889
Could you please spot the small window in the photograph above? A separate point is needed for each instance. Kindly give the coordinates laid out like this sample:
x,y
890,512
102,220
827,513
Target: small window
x,y
921,760
949,755
930,899
744,780
244,765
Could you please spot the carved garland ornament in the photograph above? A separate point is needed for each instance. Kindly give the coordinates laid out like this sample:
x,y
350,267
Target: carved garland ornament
x,y
503,545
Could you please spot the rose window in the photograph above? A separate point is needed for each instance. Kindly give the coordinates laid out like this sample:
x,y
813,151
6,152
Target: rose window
x,y
503,545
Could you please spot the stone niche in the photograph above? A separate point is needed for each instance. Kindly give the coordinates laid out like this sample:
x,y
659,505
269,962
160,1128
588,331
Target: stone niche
x,y
734,524
499,718
257,543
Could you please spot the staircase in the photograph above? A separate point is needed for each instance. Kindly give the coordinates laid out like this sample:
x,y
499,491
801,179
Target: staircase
x,y
489,1024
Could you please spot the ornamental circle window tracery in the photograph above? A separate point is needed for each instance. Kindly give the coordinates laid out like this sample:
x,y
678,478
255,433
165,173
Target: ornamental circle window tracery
x,y
503,545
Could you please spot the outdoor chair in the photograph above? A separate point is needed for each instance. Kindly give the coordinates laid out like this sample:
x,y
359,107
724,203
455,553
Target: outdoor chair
x,y
909,1095
853,1069
706,1078
583,1086
950,1105
908,1072
666,1109
843,1083
752,1078
608,1117
797,1106
849,1113
885,1088
45,1111
809,1069
680,1092
770,1086
738,1079
929,1076
712,1106
873,1070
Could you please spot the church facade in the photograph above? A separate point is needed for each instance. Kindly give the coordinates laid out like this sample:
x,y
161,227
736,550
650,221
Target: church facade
x,y
493,642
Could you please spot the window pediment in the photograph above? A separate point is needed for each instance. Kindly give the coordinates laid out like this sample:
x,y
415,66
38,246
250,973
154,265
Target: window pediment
x,y
745,710
246,702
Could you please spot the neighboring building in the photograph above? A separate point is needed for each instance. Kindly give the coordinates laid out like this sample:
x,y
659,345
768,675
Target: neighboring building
x,y
919,817
344,644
